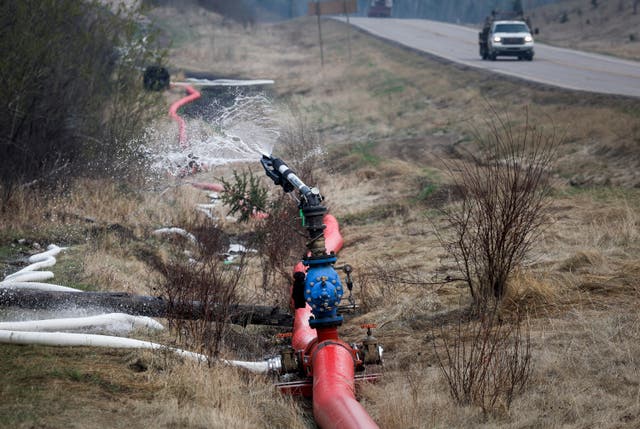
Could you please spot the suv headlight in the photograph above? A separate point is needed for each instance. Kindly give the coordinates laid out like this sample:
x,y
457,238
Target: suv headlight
x,y
528,38
497,39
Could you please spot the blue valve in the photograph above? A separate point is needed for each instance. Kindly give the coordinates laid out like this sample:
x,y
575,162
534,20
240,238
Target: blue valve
x,y
323,291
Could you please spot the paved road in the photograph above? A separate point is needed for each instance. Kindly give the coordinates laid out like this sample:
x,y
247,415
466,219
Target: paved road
x,y
553,66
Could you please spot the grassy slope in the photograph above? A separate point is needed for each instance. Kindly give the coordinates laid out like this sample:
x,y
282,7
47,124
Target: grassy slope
x,y
387,116
610,28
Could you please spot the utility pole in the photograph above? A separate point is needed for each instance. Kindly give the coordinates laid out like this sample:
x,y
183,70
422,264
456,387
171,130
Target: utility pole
x,y
320,33
346,12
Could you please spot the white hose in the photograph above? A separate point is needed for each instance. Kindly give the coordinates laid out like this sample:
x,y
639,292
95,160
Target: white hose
x,y
49,261
239,248
38,261
52,250
29,276
179,231
16,332
225,82
92,340
264,367
47,287
112,321
88,340
206,206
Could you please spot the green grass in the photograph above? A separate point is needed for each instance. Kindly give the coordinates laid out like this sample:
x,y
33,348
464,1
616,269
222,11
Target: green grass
x,y
69,270
51,387
76,375
10,250
603,194
375,214
384,83
364,152
392,85
429,182
427,191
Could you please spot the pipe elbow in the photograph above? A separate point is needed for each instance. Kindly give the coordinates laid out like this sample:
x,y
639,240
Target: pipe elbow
x,y
333,240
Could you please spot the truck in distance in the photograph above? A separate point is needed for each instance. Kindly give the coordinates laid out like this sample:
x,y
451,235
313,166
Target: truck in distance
x,y
511,38
380,8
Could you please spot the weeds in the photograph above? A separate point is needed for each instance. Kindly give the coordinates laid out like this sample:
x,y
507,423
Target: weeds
x,y
388,281
207,280
486,362
280,242
70,106
303,146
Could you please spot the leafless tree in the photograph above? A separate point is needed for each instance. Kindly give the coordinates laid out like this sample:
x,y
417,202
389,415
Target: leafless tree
x,y
503,189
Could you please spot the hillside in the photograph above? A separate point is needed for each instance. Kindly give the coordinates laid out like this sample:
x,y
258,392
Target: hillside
x,y
608,27
388,121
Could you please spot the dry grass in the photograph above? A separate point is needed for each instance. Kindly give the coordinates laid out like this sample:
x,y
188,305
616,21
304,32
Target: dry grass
x,y
585,375
115,271
195,396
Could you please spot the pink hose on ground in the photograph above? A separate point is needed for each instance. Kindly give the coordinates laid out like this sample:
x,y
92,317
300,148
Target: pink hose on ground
x,y
214,187
173,112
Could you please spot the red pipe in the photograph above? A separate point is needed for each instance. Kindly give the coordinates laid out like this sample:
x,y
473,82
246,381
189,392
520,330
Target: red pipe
x,y
303,334
215,187
332,360
334,401
333,241
173,112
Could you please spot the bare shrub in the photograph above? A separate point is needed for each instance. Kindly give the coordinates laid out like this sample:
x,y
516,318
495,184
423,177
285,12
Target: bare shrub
x,y
502,202
279,238
485,362
281,241
207,279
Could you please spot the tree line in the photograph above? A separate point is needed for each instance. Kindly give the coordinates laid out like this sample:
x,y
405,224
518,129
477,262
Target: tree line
x,y
250,11
71,96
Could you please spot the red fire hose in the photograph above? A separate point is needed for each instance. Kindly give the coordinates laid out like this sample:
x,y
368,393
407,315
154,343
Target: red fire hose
x,y
173,112
332,360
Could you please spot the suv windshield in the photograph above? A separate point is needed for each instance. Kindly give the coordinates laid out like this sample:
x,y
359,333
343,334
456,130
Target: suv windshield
x,y
511,28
